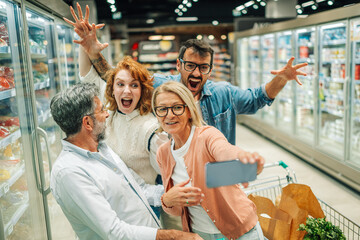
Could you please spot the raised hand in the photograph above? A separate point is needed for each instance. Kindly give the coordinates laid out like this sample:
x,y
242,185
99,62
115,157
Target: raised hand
x,y
89,41
290,72
87,32
182,196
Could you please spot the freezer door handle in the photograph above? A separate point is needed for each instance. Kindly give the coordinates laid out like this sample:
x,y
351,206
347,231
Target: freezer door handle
x,y
37,181
44,135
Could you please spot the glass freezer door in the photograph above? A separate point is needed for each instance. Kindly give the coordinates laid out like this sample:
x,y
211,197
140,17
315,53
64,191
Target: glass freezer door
x,y
243,63
355,82
305,104
268,64
254,67
66,56
41,35
21,205
332,87
284,100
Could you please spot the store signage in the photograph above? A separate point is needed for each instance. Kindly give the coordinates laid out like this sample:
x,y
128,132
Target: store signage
x,y
163,46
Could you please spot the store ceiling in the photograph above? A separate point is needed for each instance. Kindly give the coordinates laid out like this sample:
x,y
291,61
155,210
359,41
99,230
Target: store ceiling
x,y
135,13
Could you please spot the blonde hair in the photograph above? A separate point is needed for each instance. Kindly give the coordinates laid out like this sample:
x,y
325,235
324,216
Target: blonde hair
x,y
138,72
185,95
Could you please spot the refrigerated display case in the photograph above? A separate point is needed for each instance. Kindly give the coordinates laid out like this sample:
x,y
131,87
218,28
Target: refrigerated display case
x,y
254,69
332,65
284,101
355,100
21,205
267,64
319,120
66,52
304,95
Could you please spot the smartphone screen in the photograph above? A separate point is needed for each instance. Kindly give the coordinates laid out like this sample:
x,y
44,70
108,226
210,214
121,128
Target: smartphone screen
x,y
229,172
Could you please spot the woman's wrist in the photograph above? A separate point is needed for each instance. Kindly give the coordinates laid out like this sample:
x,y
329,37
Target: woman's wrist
x,y
163,203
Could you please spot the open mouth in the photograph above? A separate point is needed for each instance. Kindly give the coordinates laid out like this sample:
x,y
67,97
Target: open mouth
x,y
126,102
194,84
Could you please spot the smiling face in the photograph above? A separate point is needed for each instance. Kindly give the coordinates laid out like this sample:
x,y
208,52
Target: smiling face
x,y
127,91
178,126
194,80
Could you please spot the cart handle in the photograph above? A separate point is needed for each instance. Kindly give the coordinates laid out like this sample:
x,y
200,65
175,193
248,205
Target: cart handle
x,y
275,164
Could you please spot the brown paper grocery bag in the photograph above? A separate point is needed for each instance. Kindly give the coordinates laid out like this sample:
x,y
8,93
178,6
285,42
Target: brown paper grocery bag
x,y
298,215
276,225
305,199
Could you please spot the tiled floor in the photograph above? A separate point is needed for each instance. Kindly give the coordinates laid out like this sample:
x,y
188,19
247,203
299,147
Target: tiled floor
x,y
332,192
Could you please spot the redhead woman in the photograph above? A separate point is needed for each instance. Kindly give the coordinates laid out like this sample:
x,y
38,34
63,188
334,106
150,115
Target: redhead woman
x,y
213,213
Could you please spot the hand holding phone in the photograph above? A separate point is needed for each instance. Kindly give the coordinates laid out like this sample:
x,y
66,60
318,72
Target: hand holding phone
x,y
229,172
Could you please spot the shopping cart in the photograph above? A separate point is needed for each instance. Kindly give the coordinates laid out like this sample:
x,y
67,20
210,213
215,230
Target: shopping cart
x,y
271,187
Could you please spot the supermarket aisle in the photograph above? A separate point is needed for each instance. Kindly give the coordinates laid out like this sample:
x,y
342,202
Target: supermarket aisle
x,y
324,187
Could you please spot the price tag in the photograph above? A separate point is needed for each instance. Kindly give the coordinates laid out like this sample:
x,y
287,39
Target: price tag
x,y
6,187
10,229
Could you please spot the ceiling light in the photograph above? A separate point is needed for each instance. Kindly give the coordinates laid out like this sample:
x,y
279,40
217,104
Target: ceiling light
x,y
255,6
195,0
186,19
239,8
111,1
199,37
223,37
155,37
185,1
244,11
150,21
116,15
181,6
330,2
215,22
180,13
168,37
184,9
189,4
211,37
299,11
177,10
307,4
248,4
263,4
314,7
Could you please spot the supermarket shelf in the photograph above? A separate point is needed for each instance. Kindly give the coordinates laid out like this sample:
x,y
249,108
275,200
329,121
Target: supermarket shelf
x,y
38,54
5,185
10,139
335,113
8,228
341,61
5,52
7,93
42,85
335,42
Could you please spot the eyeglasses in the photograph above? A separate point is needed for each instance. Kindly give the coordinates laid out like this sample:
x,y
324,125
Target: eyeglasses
x,y
190,66
177,110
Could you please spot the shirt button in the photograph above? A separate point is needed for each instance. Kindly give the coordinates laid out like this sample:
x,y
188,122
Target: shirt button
x,y
214,221
207,210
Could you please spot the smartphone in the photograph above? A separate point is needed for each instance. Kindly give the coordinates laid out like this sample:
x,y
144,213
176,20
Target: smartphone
x,y
229,172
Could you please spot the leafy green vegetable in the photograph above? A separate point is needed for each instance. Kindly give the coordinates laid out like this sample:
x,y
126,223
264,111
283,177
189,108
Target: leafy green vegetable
x,y
319,228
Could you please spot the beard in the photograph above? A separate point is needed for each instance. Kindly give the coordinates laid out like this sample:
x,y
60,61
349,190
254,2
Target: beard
x,y
99,130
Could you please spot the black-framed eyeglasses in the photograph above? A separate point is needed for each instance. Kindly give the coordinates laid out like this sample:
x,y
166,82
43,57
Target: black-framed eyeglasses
x,y
190,66
177,110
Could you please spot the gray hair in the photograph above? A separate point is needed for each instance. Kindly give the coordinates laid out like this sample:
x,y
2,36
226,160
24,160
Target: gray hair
x,y
71,105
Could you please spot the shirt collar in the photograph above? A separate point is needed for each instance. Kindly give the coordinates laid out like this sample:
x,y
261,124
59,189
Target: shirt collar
x,y
131,115
67,146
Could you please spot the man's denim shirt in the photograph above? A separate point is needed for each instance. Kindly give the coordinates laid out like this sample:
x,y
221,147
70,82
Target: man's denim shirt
x,y
220,102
